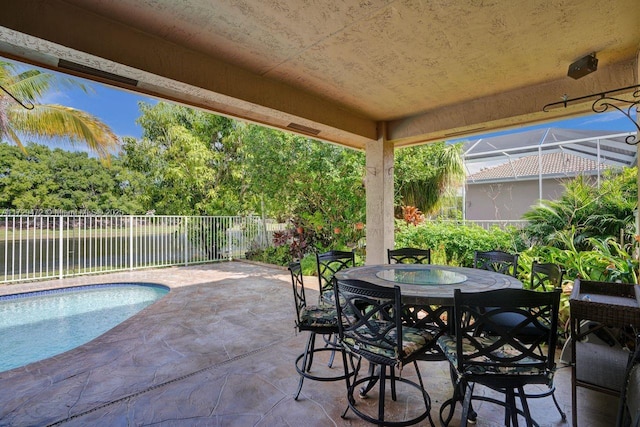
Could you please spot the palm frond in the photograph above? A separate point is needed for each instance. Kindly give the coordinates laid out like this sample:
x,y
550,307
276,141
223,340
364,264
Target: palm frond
x,y
57,121
31,85
13,137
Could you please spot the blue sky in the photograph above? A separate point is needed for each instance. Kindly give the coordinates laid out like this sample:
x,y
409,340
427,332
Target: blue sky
x,y
119,110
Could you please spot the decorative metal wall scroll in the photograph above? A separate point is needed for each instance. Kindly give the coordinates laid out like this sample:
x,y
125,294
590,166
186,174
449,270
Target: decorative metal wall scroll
x,y
604,100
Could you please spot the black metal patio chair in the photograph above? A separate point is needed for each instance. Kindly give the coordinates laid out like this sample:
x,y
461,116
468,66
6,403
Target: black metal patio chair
x,y
498,261
370,327
432,318
316,319
328,264
496,358
545,277
409,256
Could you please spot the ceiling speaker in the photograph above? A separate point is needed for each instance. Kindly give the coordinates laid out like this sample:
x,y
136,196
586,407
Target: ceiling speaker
x,y
583,66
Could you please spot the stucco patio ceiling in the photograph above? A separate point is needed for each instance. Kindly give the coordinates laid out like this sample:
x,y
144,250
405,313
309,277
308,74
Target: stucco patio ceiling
x,y
342,71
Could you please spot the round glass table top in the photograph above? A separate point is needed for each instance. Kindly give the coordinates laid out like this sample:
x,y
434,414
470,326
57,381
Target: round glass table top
x,y
423,276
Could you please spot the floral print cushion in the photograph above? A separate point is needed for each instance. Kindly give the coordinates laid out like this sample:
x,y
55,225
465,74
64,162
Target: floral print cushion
x,y
328,297
525,366
413,340
318,316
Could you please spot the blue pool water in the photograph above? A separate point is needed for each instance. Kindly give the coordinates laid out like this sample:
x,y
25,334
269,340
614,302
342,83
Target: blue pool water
x,y
38,325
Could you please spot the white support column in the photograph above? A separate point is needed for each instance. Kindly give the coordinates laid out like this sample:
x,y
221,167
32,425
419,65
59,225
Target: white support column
x,y
379,191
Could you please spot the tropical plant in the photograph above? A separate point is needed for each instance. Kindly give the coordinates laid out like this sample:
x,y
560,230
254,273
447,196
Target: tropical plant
x,y
587,211
48,121
607,261
312,184
412,215
424,174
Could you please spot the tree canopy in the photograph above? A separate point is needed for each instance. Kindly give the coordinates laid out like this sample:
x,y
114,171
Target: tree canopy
x,y
187,160
59,180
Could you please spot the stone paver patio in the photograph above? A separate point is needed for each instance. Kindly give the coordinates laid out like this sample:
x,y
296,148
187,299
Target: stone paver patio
x,y
218,350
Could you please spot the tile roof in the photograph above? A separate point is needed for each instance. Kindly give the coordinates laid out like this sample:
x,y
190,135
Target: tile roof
x,y
555,164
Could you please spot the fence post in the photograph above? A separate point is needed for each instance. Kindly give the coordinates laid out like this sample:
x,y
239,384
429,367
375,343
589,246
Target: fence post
x,y
6,245
131,222
60,249
186,240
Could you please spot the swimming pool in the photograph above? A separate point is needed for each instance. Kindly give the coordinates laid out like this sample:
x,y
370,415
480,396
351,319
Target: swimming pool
x,y
38,325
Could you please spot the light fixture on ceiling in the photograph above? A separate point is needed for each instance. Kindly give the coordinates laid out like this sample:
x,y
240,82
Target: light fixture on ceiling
x,y
90,71
583,66
304,129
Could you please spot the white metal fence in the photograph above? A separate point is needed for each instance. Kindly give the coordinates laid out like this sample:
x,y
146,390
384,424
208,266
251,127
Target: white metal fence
x,y
502,224
485,223
36,247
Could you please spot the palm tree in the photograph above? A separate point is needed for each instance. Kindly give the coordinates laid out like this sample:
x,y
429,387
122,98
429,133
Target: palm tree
x,y
424,174
21,114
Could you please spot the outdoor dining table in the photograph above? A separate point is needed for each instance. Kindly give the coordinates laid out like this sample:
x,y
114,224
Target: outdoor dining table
x,y
430,284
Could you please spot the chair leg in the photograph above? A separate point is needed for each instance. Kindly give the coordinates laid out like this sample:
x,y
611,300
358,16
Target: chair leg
x,y
304,363
459,393
466,403
307,359
311,352
525,407
383,378
555,401
366,389
331,340
551,392
392,371
347,378
415,363
511,410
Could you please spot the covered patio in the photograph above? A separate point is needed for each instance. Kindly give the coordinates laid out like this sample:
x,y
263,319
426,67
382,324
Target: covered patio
x,y
370,75
218,350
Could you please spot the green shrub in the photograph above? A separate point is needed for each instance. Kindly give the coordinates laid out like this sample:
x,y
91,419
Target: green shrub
x,y
452,243
277,255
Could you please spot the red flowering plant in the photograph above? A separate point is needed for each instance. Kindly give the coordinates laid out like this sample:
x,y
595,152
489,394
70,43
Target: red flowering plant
x,y
298,239
412,215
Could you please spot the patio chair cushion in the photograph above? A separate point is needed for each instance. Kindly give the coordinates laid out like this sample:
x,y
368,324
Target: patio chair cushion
x,y
413,340
318,316
328,298
484,365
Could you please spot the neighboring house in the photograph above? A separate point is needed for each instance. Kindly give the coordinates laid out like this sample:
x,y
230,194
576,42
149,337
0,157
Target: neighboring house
x,y
509,174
